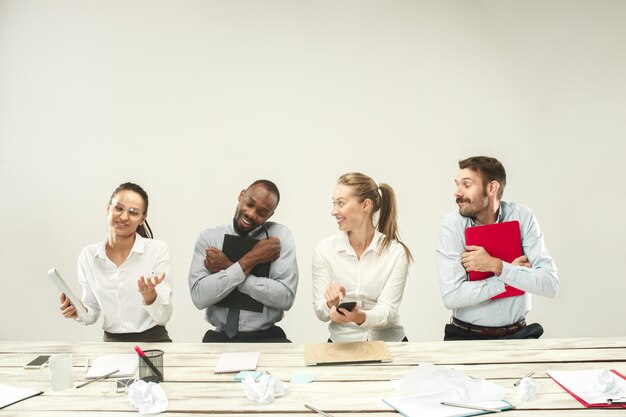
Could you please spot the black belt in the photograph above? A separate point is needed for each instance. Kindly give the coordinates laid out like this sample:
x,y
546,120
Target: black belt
x,y
490,331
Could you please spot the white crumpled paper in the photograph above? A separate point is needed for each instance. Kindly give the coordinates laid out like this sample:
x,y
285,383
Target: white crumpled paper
x,y
265,390
449,384
607,383
528,388
148,397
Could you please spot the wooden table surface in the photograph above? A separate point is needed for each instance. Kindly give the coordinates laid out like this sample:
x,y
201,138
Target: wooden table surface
x,y
343,390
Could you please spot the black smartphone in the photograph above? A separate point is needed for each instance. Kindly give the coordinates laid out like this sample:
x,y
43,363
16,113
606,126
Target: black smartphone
x,y
348,306
37,362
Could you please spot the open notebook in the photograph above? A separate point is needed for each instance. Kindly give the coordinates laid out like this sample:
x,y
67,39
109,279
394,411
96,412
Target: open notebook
x,y
237,361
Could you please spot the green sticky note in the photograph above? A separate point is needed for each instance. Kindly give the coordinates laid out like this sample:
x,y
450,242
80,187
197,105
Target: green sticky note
x,y
302,378
242,375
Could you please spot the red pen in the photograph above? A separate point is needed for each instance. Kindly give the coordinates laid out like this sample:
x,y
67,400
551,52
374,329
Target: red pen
x,y
143,356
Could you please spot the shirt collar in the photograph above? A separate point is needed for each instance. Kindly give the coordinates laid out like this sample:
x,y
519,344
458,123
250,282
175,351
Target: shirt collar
x,y
499,217
343,244
138,246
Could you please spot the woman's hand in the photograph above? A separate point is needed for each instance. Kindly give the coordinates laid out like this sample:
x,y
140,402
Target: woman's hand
x,y
355,316
147,287
67,309
334,294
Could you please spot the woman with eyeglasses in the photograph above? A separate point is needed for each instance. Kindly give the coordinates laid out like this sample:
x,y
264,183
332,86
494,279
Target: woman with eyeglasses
x,y
126,277
359,273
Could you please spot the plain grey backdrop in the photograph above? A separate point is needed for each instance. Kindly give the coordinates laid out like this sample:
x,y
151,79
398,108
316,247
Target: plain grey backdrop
x,y
196,99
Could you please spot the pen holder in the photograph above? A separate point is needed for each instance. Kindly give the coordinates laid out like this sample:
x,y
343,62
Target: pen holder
x,y
156,357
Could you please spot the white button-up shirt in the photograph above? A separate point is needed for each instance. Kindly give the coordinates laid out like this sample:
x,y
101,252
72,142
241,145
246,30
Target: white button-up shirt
x,y
375,282
113,290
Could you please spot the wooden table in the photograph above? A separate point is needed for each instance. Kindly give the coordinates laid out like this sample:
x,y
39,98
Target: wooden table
x,y
343,390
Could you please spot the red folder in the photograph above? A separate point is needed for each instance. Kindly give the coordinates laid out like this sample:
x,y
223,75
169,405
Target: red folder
x,y
500,240
585,403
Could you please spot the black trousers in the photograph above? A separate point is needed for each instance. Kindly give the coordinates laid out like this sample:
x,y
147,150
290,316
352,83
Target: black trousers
x,y
272,335
154,334
452,332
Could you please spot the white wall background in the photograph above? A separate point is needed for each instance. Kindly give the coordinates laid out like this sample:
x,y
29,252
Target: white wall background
x,y
196,99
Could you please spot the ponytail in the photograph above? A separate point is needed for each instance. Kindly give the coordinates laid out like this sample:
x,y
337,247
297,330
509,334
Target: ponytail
x,y
387,219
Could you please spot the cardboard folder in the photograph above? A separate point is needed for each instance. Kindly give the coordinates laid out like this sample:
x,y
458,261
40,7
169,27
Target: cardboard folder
x,y
500,240
234,248
347,352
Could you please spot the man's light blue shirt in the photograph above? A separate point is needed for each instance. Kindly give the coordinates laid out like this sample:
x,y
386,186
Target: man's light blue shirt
x,y
277,292
470,301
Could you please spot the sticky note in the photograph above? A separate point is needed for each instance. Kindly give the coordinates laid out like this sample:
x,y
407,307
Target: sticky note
x,y
302,378
254,374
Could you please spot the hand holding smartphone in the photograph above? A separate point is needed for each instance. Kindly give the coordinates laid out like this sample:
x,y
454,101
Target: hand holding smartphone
x,y
348,306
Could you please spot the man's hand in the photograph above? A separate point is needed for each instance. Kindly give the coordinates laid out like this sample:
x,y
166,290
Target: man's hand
x,y
477,259
354,316
334,294
147,287
215,260
522,261
267,250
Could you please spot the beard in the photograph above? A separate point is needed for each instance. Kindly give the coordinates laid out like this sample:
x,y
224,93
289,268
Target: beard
x,y
474,208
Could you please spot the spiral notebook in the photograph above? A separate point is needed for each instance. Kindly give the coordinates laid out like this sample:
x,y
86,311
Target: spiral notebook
x,y
230,362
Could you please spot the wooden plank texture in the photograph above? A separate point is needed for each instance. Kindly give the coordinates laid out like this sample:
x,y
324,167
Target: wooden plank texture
x,y
344,390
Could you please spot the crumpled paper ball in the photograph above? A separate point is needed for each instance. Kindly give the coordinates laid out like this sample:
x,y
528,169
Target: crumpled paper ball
x,y
607,384
528,388
147,397
265,390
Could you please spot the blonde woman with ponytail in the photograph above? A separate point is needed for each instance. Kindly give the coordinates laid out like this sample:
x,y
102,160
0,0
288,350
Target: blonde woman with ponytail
x,y
364,263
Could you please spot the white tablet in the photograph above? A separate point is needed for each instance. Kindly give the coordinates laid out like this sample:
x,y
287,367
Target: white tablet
x,y
81,311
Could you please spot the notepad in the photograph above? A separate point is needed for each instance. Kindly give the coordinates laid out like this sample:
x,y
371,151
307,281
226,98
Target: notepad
x,y
126,363
500,240
237,361
419,405
581,386
11,395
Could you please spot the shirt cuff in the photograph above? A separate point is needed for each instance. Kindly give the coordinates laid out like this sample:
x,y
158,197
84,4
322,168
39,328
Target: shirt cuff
x,y
508,272
235,273
496,285
157,305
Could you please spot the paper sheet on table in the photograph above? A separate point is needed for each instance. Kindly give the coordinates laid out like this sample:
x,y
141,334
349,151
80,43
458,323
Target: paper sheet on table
x,y
11,395
582,384
430,405
126,363
428,378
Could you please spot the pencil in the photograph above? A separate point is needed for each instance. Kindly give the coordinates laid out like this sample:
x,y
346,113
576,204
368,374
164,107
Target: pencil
x,y
318,411
100,378
472,407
